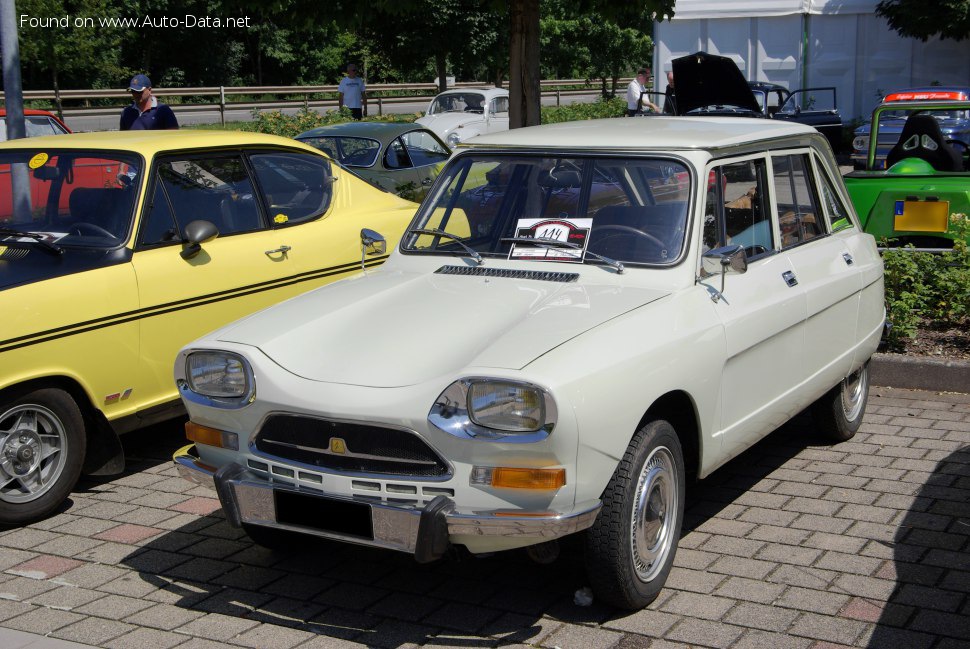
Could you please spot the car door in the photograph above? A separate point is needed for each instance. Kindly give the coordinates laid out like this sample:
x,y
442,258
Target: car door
x,y
400,176
762,312
245,268
822,264
498,115
816,107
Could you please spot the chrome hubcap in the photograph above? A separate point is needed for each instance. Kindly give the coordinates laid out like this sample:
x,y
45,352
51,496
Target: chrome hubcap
x,y
33,444
854,388
654,514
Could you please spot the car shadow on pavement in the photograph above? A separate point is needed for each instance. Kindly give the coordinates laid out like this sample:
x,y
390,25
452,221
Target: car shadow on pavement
x,y
930,564
225,586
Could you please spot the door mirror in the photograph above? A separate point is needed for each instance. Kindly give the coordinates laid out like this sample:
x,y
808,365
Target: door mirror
x,y
371,243
721,261
196,233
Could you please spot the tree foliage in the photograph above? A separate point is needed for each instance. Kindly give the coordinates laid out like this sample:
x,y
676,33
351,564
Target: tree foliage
x,y
921,19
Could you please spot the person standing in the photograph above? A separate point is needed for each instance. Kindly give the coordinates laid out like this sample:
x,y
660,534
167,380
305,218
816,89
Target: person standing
x,y
145,112
352,92
635,99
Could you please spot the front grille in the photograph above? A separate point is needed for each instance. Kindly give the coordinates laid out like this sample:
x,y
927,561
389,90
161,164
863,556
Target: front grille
x,y
508,273
352,448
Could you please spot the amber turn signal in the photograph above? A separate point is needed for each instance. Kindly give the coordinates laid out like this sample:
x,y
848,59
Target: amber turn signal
x,y
211,436
514,478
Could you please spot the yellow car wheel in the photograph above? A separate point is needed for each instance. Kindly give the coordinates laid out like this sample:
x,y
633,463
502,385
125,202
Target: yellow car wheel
x,y
42,445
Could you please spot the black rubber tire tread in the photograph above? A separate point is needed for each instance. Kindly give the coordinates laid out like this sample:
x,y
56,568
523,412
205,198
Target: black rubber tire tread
x,y
609,557
830,418
64,407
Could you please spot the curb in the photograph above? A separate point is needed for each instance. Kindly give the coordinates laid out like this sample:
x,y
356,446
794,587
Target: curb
x,y
920,373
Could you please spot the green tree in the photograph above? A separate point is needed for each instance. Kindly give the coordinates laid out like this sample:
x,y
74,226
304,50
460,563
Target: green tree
x,y
921,19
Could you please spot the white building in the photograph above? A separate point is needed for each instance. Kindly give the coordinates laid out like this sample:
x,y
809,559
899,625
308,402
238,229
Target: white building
x,y
806,43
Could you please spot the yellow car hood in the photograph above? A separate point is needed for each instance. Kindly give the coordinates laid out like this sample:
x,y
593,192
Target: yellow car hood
x,y
393,329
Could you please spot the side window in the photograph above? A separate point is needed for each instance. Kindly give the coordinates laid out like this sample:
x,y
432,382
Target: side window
x,y
423,148
838,216
396,156
736,211
159,225
499,105
297,186
214,188
798,215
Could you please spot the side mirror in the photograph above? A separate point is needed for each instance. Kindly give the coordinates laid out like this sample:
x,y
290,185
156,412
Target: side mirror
x,y
196,233
371,243
721,261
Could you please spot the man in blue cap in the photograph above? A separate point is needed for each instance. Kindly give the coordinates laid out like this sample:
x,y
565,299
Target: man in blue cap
x,y
145,112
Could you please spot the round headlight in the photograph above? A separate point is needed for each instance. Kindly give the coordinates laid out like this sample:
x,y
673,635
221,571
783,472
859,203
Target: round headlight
x,y
860,143
218,374
504,405
453,139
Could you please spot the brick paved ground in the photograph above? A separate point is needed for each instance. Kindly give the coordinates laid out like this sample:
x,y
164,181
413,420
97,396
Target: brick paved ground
x,y
796,544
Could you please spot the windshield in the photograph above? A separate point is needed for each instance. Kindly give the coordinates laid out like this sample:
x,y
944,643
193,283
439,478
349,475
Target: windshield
x,y
71,198
458,102
939,114
632,210
349,151
34,125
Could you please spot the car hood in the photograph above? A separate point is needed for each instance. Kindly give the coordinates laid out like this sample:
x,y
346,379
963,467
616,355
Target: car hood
x,y
704,79
393,329
445,123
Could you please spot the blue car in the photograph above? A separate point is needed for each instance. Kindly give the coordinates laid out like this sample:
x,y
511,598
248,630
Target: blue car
x,y
955,124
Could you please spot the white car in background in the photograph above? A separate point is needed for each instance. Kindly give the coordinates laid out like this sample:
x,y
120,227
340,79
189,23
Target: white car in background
x,y
581,318
459,115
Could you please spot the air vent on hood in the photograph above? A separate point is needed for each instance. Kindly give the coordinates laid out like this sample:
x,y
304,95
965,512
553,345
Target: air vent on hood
x,y
509,273
12,253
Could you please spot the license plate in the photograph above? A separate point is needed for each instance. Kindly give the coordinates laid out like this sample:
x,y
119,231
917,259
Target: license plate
x,y
324,514
921,216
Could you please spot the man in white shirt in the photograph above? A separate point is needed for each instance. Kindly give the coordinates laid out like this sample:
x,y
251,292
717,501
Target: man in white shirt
x,y
636,101
352,92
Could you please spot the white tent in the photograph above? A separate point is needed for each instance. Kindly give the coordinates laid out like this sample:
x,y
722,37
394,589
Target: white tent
x,y
803,43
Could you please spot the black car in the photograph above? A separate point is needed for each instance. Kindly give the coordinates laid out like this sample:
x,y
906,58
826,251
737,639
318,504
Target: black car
x,y
708,84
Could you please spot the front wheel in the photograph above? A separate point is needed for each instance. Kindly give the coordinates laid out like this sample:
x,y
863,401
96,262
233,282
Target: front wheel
x,y
838,413
631,546
42,445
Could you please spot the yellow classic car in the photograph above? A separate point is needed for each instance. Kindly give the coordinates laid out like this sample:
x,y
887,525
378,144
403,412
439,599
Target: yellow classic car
x,y
118,248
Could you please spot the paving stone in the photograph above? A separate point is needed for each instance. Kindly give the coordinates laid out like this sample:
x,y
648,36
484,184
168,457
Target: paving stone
x,y
759,616
215,626
146,639
817,601
697,581
358,598
756,639
799,556
848,563
10,609
22,589
68,546
163,616
704,633
115,607
708,607
774,534
42,621
392,634
341,623
68,598
580,636
44,567
741,567
93,631
822,627
644,622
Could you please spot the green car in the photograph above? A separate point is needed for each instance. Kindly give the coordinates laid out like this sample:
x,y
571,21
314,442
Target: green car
x,y
925,180
403,159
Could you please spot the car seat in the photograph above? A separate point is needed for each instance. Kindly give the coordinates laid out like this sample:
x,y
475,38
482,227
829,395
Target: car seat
x,y
922,138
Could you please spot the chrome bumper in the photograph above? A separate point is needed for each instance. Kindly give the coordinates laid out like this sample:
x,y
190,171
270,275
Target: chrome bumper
x,y
426,532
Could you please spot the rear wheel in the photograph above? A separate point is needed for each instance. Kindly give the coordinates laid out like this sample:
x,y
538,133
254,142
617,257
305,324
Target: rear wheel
x,y
42,445
631,546
839,412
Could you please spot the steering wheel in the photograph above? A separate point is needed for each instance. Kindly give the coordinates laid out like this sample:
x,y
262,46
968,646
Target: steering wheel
x,y
90,228
626,229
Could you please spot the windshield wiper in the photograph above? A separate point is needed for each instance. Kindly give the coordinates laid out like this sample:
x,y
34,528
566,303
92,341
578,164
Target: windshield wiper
x,y
550,243
46,246
454,237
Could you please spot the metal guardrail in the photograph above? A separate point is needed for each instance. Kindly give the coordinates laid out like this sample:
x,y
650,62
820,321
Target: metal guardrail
x,y
377,93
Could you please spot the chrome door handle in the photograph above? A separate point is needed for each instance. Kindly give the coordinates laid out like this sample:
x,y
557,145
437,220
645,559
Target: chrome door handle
x,y
790,278
848,259
427,181
282,250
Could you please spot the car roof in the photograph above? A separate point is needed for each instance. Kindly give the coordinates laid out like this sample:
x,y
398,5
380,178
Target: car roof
x,y
644,133
31,111
151,142
382,131
488,92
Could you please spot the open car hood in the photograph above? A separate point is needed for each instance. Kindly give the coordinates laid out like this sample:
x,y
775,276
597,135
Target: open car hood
x,y
703,80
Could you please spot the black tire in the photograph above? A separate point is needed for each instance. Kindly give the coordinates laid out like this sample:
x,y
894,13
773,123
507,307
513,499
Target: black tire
x,y
42,446
627,562
839,412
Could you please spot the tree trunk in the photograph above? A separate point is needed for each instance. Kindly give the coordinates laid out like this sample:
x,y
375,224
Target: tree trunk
x,y
524,89
441,65
58,106
603,88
